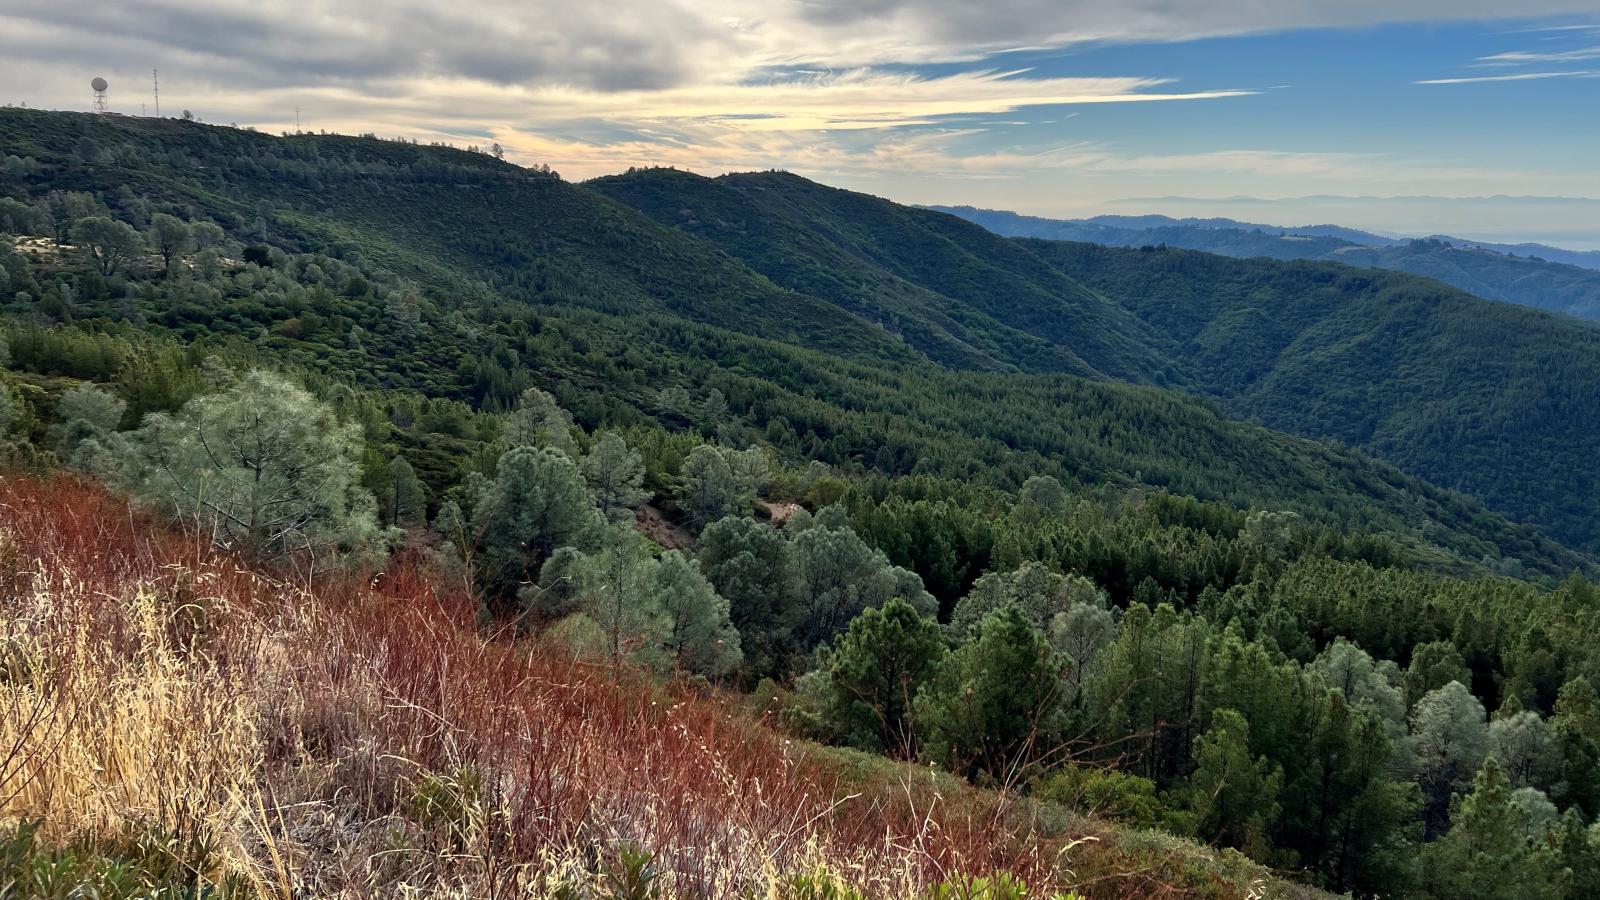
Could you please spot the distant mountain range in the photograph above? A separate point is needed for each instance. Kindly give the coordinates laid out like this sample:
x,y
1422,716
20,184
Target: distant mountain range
x,y
1536,275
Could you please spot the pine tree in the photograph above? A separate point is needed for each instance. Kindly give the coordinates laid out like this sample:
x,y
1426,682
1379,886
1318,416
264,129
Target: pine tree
x,y
616,589
698,636
262,466
993,706
1486,853
875,672
537,503
539,421
1234,795
404,500
616,475
710,491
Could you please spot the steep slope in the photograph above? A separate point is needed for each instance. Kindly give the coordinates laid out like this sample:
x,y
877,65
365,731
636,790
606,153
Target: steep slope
x,y
1524,280
461,223
463,278
961,282
1527,274
1489,398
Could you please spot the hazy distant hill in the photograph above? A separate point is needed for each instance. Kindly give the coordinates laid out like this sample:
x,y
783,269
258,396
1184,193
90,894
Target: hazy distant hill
x,y
1565,281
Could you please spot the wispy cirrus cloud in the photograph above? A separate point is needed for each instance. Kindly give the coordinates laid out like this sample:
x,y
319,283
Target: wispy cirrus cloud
x,y
1518,76
1552,61
1523,57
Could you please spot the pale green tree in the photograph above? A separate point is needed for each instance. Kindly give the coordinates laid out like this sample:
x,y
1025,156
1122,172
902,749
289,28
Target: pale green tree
x,y
1270,532
696,632
713,409
206,235
1450,734
12,409
1080,634
110,244
262,466
1042,496
752,470
1370,684
404,501
169,237
86,417
616,475
832,576
1526,749
1538,813
1433,665
710,491
65,209
1040,593
539,421
616,587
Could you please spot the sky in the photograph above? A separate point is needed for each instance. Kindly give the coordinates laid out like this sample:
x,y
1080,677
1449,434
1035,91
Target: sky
x,y
1468,117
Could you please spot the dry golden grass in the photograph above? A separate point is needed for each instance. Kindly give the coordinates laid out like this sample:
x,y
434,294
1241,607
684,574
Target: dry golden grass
x,y
362,739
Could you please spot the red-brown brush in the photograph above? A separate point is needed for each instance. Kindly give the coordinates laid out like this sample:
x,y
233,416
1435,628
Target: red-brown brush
x,y
393,681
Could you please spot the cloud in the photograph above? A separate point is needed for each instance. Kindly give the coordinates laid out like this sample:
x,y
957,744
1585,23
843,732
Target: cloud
x,y
955,29
242,43
1519,76
1520,57
1551,60
629,44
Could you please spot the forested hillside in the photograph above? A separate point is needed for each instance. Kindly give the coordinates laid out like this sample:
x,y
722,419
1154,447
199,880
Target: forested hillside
x,y
851,248
1526,274
357,284
1487,398
461,531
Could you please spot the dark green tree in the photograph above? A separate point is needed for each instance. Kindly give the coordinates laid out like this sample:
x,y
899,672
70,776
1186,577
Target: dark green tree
x,y
874,673
1233,793
537,503
1487,853
993,706
404,501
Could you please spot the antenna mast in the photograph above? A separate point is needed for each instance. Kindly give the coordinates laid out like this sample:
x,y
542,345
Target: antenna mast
x,y
155,79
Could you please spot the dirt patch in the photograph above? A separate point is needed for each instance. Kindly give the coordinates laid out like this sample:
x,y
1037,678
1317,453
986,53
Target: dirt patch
x,y
653,525
779,511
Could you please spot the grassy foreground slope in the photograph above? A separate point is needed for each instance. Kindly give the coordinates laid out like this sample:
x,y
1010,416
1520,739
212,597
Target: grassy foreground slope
x,y
174,722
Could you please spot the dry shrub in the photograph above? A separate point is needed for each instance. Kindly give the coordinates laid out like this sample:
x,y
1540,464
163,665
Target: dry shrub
x,y
361,738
